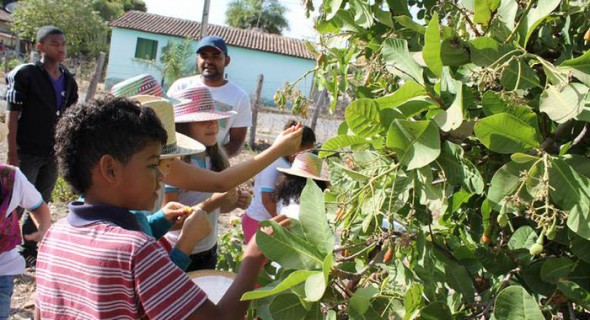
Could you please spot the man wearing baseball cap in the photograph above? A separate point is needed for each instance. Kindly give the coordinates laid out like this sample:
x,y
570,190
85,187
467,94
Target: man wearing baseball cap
x,y
212,58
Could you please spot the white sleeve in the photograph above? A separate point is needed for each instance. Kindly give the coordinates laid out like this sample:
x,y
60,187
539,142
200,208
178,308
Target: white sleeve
x,y
24,193
244,110
268,178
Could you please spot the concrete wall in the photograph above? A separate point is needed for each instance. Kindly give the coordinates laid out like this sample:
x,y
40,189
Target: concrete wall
x,y
244,68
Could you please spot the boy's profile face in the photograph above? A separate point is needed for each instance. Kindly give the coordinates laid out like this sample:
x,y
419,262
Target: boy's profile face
x,y
53,47
141,177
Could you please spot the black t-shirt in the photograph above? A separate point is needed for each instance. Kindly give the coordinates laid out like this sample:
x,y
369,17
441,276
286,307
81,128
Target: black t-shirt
x,y
31,92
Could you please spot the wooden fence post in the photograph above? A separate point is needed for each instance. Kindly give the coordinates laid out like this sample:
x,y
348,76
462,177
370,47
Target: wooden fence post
x,y
95,77
255,101
318,107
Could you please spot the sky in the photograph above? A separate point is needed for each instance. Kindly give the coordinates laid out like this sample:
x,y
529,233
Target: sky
x,y
300,26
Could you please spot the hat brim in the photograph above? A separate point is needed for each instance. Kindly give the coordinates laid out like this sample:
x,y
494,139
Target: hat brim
x,y
204,116
302,174
185,146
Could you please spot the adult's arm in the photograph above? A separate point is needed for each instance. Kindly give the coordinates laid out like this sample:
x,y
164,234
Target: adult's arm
x,y
186,176
237,136
12,125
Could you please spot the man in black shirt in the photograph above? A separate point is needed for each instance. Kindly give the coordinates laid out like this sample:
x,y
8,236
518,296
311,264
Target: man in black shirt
x,y
37,94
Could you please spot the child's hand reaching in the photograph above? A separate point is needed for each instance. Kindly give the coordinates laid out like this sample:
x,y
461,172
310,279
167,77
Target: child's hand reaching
x,y
196,227
176,212
289,140
244,199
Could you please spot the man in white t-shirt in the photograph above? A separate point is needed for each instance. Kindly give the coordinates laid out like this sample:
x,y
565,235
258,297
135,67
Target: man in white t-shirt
x,y
212,59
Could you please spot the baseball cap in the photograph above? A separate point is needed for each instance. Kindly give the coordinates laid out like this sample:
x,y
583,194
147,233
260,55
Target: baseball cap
x,y
214,42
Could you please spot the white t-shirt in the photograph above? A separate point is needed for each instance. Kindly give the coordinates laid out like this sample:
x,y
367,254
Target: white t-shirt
x,y
291,210
24,195
227,98
265,182
191,198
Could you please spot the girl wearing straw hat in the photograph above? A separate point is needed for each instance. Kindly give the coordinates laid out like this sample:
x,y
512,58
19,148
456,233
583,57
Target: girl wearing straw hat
x,y
292,181
196,116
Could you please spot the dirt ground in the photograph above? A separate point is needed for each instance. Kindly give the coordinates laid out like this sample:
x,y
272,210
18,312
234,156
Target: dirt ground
x,y
269,125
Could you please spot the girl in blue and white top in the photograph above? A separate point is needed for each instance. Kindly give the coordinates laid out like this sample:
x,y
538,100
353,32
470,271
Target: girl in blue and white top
x,y
195,116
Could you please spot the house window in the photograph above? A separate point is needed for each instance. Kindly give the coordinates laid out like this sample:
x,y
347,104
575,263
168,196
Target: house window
x,y
146,49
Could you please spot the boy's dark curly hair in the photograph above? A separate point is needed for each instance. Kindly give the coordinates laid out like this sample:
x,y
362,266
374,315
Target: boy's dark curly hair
x,y
107,126
290,186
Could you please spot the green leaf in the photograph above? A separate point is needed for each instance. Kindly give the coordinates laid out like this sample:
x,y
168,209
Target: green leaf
x,y
580,247
483,12
362,13
452,118
432,48
535,16
453,52
287,307
532,277
417,143
312,214
430,195
436,311
384,17
407,91
518,75
573,196
361,299
505,182
556,268
496,262
315,286
580,67
290,251
522,238
514,303
485,51
292,280
492,103
505,133
399,61
339,143
362,117
573,291
507,13
458,169
562,104
409,23
459,279
334,6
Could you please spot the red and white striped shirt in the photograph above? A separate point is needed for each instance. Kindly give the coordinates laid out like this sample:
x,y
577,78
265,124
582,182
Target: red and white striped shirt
x,y
101,270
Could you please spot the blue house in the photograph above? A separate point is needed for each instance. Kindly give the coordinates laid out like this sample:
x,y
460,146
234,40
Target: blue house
x,y
139,35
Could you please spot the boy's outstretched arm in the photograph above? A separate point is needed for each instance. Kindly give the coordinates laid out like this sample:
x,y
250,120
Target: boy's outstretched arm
x,y
186,176
230,307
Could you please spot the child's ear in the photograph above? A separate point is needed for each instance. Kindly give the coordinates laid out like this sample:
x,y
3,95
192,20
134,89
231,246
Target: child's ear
x,y
108,168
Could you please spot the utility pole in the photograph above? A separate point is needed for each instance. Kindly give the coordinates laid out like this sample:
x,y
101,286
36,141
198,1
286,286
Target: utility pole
x,y
205,19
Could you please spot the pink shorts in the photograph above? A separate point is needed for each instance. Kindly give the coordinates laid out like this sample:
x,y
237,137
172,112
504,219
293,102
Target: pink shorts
x,y
249,227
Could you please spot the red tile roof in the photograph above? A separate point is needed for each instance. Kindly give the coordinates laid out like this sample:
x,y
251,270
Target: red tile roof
x,y
153,23
5,16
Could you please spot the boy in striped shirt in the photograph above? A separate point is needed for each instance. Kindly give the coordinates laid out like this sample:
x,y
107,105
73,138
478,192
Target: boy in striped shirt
x,y
97,263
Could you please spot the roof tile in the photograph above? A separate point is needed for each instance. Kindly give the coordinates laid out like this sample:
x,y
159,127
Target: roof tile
x,y
153,23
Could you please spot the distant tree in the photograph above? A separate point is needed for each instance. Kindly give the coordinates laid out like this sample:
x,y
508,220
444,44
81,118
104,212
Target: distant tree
x,y
174,61
86,31
266,15
112,9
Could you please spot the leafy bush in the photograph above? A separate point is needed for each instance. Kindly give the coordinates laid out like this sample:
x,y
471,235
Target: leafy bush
x,y
62,191
471,128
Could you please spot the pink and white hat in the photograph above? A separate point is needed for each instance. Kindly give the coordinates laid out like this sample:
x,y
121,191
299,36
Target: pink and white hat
x,y
308,165
142,84
195,105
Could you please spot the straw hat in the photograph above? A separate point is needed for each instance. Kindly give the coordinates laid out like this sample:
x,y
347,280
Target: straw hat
x,y
308,165
141,84
195,105
177,144
3,131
